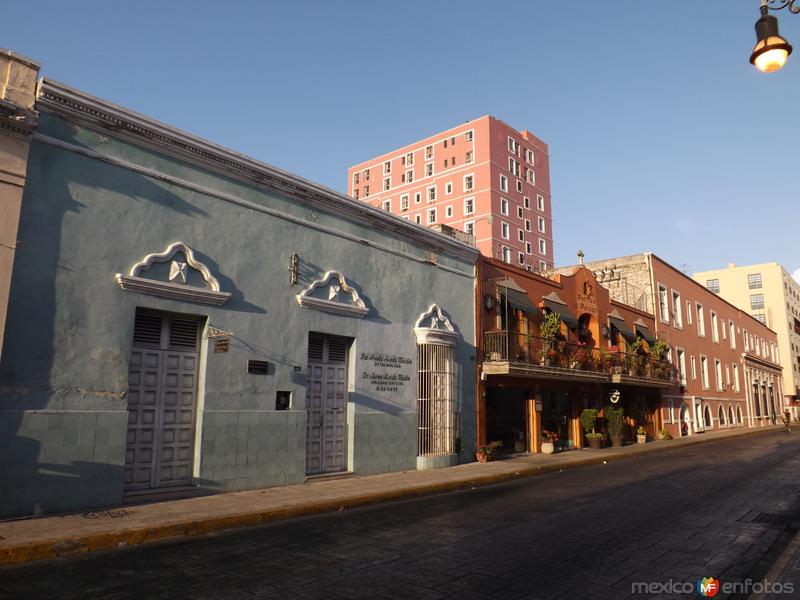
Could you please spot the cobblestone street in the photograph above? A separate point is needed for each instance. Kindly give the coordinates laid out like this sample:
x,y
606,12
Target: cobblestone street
x,y
716,510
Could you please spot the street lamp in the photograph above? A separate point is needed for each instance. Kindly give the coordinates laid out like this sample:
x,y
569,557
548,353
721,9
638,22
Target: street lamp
x,y
771,49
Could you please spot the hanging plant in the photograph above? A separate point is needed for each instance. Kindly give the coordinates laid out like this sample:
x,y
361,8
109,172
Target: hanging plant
x,y
634,346
659,349
550,327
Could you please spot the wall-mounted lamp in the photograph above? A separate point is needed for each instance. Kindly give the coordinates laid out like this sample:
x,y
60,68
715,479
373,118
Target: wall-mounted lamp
x,y
489,301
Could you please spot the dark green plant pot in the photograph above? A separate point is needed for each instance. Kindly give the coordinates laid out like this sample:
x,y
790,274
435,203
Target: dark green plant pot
x,y
616,441
595,443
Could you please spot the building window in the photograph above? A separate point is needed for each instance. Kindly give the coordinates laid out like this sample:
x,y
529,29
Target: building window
x,y
530,176
448,211
504,183
469,182
521,235
754,281
387,183
503,206
732,333
428,152
504,230
512,145
761,317
704,371
519,186
727,375
469,227
428,169
718,373
527,224
541,224
468,135
366,191
418,219
521,258
431,216
701,320
409,159
540,202
355,193
366,174
409,176
448,188
526,202
387,167
681,361
507,254
469,206
689,312
542,246
713,285
444,143
694,368
513,166
387,205
355,178
404,202
714,327
519,212
663,307
468,157
542,265
528,248
529,156
677,309
432,193
736,377
746,339
453,160
417,197
436,419
756,301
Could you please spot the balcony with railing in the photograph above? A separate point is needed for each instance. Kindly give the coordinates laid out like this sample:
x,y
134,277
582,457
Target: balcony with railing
x,y
509,353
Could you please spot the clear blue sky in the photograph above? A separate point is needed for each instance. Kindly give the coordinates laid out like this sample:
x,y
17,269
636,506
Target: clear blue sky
x,y
662,136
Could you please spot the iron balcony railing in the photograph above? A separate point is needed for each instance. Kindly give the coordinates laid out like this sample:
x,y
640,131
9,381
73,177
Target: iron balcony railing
x,y
557,354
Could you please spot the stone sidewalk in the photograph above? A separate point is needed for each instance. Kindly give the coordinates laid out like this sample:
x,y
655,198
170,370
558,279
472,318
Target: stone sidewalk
x,y
49,537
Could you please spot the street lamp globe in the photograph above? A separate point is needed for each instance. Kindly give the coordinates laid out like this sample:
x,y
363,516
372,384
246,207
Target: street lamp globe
x,y
771,50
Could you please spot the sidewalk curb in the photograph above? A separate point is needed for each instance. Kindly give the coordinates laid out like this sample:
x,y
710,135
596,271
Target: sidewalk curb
x,y
67,546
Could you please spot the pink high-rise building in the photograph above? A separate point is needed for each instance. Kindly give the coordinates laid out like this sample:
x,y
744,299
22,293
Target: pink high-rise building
x,y
483,177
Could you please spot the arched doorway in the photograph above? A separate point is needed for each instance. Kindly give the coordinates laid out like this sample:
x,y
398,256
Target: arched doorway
x,y
707,414
731,420
721,415
685,421
739,414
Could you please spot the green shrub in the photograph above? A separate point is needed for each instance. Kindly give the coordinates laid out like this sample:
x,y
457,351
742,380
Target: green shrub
x,y
589,420
614,421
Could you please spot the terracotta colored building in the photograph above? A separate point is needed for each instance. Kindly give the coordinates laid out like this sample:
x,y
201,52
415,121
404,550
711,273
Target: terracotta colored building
x,y
483,177
527,384
727,362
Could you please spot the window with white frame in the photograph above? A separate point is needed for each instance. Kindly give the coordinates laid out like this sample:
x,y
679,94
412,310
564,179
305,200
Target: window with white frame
x,y
503,206
718,373
387,205
366,191
669,417
713,285
431,216
513,166
732,334
521,258
417,197
469,206
355,193
504,183
694,368
530,176
677,308
448,188
519,212
541,224
512,145
542,246
355,178
409,159
663,304
469,227
526,202
540,202
529,156
507,254
469,157
727,375
756,301
689,319
469,182
736,377
404,202
521,235
723,329
528,248
432,193
428,152
428,169
542,265
448,211
504,229
469,135
418,219
387,167
714,327
701,320
408,176
681,361
366,174
754,281
704,371
746,340
387,183
527,224
519,186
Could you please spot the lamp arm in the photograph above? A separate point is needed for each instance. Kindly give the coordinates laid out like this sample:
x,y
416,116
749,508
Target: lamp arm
x,y
779,4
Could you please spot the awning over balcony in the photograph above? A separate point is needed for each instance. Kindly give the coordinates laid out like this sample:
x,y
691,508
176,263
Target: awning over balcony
x,y
521,301
643,331
619,323
558,306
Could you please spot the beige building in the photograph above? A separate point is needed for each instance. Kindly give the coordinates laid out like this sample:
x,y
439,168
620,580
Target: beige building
x,y
769,293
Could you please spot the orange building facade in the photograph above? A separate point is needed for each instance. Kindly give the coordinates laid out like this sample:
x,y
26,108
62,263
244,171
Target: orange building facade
x,y
601,356
483,177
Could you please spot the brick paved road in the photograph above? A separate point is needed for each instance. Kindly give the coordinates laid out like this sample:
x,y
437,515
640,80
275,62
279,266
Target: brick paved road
x,y
584,533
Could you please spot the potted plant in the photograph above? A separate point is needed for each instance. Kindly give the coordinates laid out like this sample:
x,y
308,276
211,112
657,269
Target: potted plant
x,y
486,452
549,439
641,435
664,434
549,330
589,423
614,423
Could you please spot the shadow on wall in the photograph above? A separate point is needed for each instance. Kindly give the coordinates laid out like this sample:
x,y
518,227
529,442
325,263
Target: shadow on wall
x,y
56,461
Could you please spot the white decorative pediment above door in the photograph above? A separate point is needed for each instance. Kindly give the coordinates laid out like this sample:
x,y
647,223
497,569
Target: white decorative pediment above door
x,y
433,327
186,279
331,293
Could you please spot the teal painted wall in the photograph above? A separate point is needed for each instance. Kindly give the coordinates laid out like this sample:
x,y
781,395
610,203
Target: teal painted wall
x,y
64,365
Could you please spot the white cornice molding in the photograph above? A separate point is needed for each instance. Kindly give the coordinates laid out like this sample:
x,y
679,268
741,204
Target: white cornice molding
x,y
439,329
355,308
133,282
76,106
